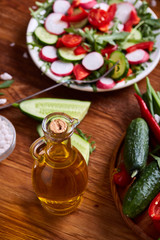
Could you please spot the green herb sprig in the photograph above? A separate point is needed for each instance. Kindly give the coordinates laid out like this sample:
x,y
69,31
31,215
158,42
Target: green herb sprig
x,y
6,84
87,138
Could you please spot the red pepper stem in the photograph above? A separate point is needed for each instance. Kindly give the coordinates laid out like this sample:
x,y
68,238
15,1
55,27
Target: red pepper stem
x,y
155,128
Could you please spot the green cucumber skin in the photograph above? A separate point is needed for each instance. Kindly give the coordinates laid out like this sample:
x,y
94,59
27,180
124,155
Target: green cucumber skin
x,y
136,145
142,191
115,57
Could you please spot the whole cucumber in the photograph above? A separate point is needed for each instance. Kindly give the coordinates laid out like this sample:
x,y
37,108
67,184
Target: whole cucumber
x,y
136,146
142,191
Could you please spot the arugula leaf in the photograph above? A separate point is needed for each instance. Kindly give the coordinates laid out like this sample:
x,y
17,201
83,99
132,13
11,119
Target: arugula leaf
x,y
149,23
6,84
107,38
1,93
87,138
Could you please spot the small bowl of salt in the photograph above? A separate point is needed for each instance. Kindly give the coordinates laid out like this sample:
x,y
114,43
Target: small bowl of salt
x,y
7,138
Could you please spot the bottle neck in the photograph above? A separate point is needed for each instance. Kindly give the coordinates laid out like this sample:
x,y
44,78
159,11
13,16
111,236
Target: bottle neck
x,y
59,153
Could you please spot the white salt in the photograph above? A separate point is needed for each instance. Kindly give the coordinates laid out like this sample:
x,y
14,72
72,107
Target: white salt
x,y
25,55
6,136
3,100
34,7
5,76
12,44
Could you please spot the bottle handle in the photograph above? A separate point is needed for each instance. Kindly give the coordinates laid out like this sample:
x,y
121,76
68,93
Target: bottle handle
x,y
36,149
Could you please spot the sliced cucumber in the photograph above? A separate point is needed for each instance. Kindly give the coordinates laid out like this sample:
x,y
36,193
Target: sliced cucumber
x,y
45,37
39,108
67,54
135,37
114,1
121,70
77,141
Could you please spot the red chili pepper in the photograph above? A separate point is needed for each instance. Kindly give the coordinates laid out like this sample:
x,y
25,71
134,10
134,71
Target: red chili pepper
x,y
154,211
80,50
80,72
143,45
121,177
75,4
133,20
109,49
111,11
155,128
75,18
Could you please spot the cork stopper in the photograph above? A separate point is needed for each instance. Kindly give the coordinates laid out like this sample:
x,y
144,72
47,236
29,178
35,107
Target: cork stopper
x,y
58,126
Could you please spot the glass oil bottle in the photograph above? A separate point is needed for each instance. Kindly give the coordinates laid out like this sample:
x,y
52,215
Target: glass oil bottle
x,y
59,172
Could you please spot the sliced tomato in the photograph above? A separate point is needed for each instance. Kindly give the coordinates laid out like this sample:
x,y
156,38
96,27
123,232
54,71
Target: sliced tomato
x,y
80,72
104,28
97,17
71,40
154,208
154,211
59,43
80,50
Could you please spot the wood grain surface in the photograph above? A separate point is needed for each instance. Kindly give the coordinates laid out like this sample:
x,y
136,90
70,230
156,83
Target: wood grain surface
x,y
21,215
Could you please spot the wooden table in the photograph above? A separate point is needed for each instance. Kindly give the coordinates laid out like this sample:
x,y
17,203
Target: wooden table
x,y
21,215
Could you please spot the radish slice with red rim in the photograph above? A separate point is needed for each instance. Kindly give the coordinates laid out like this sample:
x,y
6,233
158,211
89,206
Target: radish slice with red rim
x,y
54,25
138,56
105,83
103,6
123,11
61,69
93,61
61,6
48,53
87,4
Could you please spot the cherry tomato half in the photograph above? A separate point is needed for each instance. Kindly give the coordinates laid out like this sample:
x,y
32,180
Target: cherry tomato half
x,y
121,176
80,72
71,40
97,17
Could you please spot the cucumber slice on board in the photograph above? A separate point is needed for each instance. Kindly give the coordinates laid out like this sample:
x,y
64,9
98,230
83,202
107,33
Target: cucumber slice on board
x,y
67,55
45,37
121,69
77,141
135,37
39,108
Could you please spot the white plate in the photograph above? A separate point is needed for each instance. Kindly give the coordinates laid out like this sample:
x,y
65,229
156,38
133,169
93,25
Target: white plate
x,y
155,56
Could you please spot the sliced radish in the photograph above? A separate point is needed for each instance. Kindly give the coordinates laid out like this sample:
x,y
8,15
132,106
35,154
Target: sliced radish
x,y
105,83
123,11
61,69
54,25
48,53
93,61
87,4
103,6
61,6
138,56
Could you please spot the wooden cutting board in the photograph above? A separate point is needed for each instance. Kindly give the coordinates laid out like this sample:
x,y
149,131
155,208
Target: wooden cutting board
x,y
141,225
